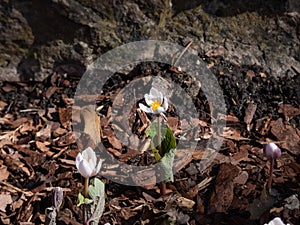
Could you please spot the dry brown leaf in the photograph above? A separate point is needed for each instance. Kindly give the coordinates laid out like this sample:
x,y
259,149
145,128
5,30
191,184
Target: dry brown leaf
x,y
68,101
203,184
232,133
127,213
2,105
50,91
288,111
173,123
115,142
65,116
144,119
58,132
65,140
92,125
223,194
27,127
241,178
43,146
5,200
239,156
13,163
288,135
228,118
185,202
9,88
3,173
249,113
45,133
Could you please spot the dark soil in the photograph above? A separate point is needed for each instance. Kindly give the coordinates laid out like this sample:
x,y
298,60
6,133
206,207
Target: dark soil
x,y
38,152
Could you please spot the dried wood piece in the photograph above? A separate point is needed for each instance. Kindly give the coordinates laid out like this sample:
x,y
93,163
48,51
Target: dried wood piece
x,y
115,142
3,173
228,118
249,113
185,202
65,116
13,163
288,111
5,200
89,98
263,125
222,196
145,121
241,178
288,135
50,91
203,184
173,123
92,124
232,133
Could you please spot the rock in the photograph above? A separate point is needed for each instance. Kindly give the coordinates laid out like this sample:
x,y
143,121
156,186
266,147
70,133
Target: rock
x,y
39,37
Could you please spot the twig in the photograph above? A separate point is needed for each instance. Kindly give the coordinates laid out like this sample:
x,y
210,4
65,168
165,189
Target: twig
x,y
181,54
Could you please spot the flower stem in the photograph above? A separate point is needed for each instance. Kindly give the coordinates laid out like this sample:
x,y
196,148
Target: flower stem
x,y
86,187
162,185
158,136
163,188
85,194
270,175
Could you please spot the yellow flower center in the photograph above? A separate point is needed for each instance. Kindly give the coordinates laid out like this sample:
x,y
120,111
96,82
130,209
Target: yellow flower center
x,y
155,105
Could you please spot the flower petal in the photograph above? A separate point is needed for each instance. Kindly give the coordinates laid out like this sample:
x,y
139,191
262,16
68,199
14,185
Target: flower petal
x,y
149,99
145,108
164,117
275,221
90,156
84,169
98,167
79,158
159,110
165,104
157,95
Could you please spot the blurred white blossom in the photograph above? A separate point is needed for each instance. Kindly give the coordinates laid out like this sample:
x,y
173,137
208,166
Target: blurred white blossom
x,y
276,221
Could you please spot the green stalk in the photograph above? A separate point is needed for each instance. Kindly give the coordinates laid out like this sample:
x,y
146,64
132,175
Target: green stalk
x,y
162,187
158,136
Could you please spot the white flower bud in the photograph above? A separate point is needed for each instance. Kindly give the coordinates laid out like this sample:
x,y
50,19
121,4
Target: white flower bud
x,y
86,163
272,151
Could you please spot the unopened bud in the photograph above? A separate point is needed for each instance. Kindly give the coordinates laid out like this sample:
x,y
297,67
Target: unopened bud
x,y
272,151
57,197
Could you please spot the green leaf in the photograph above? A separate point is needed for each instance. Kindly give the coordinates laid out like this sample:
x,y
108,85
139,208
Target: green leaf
x,y
167,137
167,165
169,142
83,200
152,131
96,189
156,154
96,208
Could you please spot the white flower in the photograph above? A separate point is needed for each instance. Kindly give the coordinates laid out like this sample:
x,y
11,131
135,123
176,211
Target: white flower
x,y
86,163
156,101
275,221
